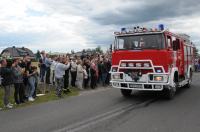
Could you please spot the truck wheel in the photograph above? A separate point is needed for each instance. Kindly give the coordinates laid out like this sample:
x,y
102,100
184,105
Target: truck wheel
x,y
188,85
126,92
170,92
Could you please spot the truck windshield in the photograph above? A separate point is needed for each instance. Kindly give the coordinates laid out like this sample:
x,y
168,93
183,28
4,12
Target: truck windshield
x,y
137,42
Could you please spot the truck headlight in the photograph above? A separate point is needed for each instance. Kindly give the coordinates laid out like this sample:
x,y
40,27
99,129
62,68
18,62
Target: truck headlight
x,y
138,64
123,65
131,64
158,78
146,65
114,69
117,76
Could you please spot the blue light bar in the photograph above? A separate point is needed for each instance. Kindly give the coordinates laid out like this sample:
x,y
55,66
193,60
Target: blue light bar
x,y
123,29
161,27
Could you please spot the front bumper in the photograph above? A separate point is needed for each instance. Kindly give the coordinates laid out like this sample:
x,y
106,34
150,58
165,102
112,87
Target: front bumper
x,y
145,84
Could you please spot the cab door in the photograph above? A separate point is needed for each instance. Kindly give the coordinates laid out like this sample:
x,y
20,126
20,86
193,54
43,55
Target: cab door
x,y
185,59
180,57
178,54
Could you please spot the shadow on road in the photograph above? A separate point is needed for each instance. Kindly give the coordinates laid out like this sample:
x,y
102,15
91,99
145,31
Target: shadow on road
x,y
141,96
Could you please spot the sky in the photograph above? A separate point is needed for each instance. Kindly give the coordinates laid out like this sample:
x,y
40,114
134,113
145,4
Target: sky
x,y
65,25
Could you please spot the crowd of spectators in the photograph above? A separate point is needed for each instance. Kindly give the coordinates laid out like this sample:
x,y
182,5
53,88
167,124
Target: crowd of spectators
x,y
23,76
86,71
64,72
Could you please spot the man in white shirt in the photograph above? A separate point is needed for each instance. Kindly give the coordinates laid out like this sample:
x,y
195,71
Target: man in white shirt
x,y
54,63
60,68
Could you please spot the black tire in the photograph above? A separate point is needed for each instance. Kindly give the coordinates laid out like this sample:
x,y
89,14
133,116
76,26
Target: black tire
x,y
126,92
170,92
188,85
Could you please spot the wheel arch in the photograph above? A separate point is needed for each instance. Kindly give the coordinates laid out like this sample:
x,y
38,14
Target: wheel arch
x,y
190,69
174,76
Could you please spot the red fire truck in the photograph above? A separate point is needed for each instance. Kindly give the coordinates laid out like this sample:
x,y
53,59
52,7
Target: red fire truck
x,y
151,60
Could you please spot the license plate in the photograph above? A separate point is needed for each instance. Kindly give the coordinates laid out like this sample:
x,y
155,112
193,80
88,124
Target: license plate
x,y
135,85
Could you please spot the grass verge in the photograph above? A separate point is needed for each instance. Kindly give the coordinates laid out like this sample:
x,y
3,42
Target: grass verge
x,y
50,96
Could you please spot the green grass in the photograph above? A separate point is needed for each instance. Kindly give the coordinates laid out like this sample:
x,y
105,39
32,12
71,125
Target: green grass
x,y
41,99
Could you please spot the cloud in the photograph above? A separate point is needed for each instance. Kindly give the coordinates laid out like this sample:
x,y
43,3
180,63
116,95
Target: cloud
x,y
62,25
130,12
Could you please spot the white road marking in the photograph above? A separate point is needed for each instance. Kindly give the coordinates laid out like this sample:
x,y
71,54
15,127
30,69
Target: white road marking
x,y
102,117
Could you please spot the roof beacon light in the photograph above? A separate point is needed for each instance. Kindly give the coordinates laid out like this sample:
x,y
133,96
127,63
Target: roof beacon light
x,y
135,29
161,27
138,28
123,29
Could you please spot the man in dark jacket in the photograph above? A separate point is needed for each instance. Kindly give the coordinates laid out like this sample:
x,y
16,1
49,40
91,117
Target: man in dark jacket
x,y
24,65
7,81
108,67
18,82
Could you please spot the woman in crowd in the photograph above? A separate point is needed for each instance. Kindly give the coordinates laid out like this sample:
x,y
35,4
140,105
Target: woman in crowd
x,y
36,81
79,77
54,62
73,70
85,76
31,74
87,65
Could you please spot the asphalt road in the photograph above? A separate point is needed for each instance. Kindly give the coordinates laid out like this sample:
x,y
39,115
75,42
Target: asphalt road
x,y
105,110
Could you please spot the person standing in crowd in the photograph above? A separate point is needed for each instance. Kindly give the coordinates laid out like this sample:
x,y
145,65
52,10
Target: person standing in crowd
x,y
104,72
60,68
85,76
7,81
18,82
73,71
24,65
66,77
196,64
31,74
79,77
100,66
42,66
108,67
87,65
93,72
36,75
54,62
48,63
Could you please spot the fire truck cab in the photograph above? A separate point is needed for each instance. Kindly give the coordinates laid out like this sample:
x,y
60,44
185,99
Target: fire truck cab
x,y
151,60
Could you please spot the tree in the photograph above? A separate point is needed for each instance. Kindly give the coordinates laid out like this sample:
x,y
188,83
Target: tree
x,y
38,55
83,51
88,50
72,52
98,49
